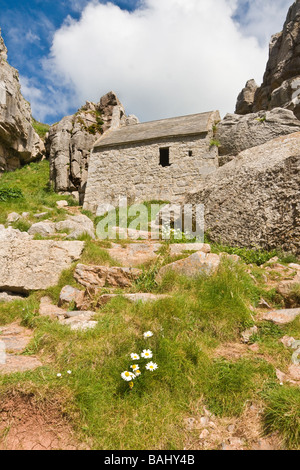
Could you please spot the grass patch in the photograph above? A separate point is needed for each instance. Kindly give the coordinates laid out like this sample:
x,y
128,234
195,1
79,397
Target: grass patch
x,y
249,256
28,190
95,254
282,414
40,128
228,386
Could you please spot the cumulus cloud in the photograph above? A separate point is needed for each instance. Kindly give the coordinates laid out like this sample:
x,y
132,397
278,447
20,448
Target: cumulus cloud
x,y
262,18
166,58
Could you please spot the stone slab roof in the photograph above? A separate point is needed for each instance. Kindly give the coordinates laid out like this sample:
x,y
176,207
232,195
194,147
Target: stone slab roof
x,y
148,131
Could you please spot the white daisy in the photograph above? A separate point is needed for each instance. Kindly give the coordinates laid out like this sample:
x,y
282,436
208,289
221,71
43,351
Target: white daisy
x,y
134,367
148,334
137,373
151,366
134,357
58,375
128,376
69,372
147,354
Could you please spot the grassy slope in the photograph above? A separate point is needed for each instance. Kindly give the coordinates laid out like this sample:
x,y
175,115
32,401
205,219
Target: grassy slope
x,y
200,315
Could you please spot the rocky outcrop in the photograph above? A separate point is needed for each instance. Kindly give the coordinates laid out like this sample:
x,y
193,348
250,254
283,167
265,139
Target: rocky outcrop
x,y
245,99
281,83
19,143
254,201
70,141
237,133
28,264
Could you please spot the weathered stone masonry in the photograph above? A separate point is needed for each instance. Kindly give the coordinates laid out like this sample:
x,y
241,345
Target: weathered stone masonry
x,y
129,162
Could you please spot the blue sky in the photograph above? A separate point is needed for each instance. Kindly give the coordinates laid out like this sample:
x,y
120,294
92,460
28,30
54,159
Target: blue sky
x,y
70,51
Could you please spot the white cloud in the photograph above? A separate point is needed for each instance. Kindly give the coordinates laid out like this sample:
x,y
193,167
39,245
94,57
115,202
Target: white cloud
x,y
167,58
44,102
262,18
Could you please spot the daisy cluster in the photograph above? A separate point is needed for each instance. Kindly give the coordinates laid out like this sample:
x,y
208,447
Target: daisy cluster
x,y
136,372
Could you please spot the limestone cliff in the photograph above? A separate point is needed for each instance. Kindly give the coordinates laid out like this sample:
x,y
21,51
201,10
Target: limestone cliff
x,y
19,143
281,83
70,141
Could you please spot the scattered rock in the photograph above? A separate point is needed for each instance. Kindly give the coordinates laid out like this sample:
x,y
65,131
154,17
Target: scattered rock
x,y
16,339
40,215
204,434
77,320
233,444
101,276
78,225
294,372
80,322
290,342
45,229
68,294
47,309
13,217
294,266
281,317
134,254
197,264
28,265
179,248
288,289
62,204
292,376
264,304
246,335
254,348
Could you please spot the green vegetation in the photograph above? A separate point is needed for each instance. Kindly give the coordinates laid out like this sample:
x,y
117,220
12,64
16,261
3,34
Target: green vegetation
x,y
9,194
194,329
214,143
282,414
28,190
255,256
40,128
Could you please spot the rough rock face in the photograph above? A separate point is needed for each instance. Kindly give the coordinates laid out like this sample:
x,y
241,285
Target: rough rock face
x,y
254,201
245,99
101,276
28,264
237,133
281,83
70,141
19,143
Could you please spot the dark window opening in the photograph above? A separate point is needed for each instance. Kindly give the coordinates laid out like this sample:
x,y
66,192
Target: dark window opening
x,y
190,153
164,156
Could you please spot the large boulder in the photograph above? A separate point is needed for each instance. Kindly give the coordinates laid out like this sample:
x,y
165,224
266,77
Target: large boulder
x,y
19,143
254,201
237,133
28,264
70,141
281,83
